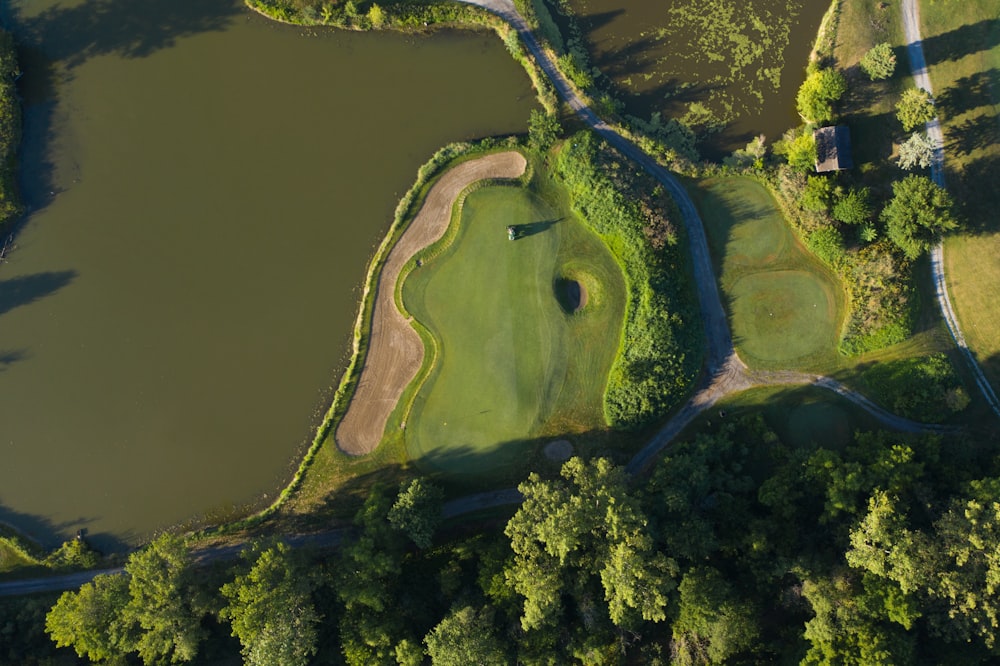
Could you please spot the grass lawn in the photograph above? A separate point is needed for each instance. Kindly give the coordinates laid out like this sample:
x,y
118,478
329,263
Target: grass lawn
x,y
963,52
868,108
514,363
785,308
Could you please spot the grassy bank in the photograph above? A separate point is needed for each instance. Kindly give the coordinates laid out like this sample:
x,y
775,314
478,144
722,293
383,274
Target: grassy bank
x,y
962,49
659,350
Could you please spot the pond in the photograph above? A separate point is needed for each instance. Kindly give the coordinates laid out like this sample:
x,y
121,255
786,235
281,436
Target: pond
x,y
735,61
205,188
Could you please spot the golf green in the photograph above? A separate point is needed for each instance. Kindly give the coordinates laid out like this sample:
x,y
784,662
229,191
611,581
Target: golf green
x,y
525,332
784,306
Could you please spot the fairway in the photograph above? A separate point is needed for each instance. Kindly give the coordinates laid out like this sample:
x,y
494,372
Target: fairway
x,y
784,306
518,356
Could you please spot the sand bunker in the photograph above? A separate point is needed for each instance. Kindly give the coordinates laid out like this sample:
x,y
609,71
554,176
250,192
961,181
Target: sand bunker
x,y
395,352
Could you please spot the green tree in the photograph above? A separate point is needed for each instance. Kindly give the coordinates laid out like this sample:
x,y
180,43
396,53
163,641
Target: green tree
x,y
571,534
968,577
417,511
89,620
919,212
844,632
917,151
164,605
713,624
543,129
879,62
914,108
818,194
376,15
817,95
854,207
270,609
464,638
799,150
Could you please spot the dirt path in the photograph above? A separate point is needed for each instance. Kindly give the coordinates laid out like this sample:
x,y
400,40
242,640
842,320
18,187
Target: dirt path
x,y
395,351
918,67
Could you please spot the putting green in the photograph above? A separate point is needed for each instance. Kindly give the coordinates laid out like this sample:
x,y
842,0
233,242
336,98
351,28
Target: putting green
x,y
512,363
782,315
784,306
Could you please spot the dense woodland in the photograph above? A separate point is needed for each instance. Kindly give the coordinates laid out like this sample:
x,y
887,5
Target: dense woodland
x,y
734,548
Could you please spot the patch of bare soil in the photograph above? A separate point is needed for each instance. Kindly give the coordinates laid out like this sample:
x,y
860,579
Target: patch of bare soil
x,y
395,352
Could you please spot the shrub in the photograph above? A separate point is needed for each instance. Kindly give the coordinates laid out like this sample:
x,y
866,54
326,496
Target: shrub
x,y
879,62
827,244
917,151
818,194
854,207
924,389
914,108
820,91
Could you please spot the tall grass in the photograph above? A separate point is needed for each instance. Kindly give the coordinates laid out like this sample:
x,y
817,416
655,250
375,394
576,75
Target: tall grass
x,y
657,360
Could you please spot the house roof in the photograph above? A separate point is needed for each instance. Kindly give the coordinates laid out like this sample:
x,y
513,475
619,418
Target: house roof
x,y
833,148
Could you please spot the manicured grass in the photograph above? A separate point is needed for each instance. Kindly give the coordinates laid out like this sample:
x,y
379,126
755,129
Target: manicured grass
x,y
511,363
785,308
963,52
973,270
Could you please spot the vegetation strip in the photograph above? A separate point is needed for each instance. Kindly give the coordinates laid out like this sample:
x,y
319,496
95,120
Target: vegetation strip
x,y
395,351
918,65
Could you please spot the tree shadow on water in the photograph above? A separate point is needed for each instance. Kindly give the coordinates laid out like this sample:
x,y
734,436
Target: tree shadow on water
x,y
27,289
54,42
48,534
126,28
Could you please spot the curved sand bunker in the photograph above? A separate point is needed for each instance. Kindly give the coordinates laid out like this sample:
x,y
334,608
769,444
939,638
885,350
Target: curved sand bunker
x,y
395,352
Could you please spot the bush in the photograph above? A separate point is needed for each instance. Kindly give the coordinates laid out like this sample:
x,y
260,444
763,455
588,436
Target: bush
x,y
656,363
879,62
827,244
820,91
916,152
854,207
915,108
817,195
924,389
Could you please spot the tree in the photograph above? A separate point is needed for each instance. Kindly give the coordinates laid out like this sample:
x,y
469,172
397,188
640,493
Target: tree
x,y
466,637
919,212
164,606
89,620
417,511
917,151
915,108
543,129
799,149
879,62
854,207
713,624
270,609
579,536
818,193
817,95
376,15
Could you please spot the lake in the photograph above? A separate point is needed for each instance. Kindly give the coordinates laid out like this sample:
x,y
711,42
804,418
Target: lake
x,y
205,190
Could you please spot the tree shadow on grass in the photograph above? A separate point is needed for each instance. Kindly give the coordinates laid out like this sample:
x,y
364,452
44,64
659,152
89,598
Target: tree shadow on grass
x,y
969,93
978,196
962,41
974,134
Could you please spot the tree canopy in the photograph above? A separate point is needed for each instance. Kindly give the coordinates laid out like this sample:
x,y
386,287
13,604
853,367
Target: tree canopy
x,y
915,108
918,214
818,95
879,62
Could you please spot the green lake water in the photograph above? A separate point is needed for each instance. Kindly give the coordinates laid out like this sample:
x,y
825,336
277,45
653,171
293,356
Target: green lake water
x,y
205,190
740,60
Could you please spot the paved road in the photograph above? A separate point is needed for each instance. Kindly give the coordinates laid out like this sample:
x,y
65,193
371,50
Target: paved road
x,y
918,66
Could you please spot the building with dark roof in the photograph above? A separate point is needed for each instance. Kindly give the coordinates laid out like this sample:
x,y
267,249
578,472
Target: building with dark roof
x,y
833,148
